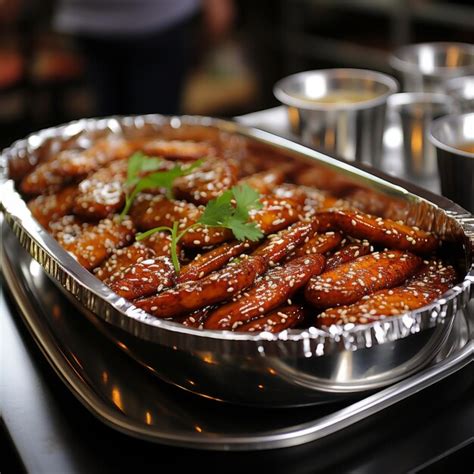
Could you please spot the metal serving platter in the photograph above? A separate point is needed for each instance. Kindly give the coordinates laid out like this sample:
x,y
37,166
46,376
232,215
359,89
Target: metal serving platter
x,y
297,367
128,398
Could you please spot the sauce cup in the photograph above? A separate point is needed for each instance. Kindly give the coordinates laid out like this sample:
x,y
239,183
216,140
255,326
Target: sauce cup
x,y
453,137
339,111
426,67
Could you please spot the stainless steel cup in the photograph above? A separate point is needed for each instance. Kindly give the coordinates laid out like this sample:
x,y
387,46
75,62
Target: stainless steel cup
x,y
426,67
340,111
461,89
414,112
456,167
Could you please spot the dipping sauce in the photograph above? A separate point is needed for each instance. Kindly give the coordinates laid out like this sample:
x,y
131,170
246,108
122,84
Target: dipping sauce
x,y
467,147
342,97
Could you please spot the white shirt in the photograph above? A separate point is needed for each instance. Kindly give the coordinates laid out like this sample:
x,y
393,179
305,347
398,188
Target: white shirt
x,y
121,17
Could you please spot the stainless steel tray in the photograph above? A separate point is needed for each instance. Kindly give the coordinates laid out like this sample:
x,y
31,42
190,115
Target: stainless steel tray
x,y
296,367
128,398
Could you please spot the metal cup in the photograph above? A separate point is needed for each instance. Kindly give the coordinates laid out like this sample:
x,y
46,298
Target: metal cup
x,y
461,89
456,167
340,111
415,111
426,67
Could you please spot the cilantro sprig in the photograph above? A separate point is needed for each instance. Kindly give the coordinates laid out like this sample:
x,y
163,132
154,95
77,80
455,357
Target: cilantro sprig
x,y
140,163
221,213
230,210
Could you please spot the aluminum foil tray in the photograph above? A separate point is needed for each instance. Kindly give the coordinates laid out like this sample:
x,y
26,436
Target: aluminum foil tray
x,y
295,367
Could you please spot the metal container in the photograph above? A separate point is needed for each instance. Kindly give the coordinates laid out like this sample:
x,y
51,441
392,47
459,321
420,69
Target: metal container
x,y
294,367
415,111
461,89
456,167
339,111
425,67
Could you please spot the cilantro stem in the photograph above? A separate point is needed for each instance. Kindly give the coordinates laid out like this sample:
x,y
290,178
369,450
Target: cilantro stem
x,y
175,238
174,245
192,226
169,194
144,235
129,198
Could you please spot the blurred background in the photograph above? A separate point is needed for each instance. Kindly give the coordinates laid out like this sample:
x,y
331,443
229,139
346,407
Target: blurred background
x,y
220,57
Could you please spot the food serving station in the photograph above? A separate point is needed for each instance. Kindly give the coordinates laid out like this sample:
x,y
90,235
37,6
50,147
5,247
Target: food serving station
x,y
236,236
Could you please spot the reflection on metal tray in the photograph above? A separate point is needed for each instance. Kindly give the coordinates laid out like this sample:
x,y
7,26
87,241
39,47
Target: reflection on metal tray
x,y
295,367
130,399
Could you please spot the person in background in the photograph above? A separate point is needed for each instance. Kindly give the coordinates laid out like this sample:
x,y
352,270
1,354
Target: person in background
x,y
137,52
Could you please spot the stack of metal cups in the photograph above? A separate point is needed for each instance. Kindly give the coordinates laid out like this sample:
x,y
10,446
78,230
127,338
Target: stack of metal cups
x,y
434,115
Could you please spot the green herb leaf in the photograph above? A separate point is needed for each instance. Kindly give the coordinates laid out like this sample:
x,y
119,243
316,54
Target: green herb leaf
x,y
139,163
217,210
165,179
134,165
244,230
246,199
151,164
221,213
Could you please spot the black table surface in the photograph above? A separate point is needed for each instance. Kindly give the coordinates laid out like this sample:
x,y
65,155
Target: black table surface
x,y
46,430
